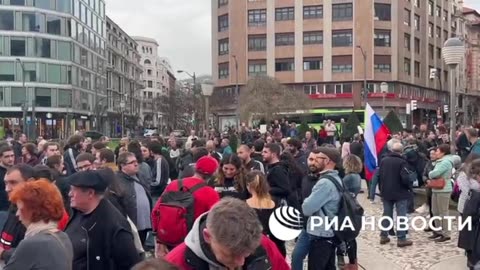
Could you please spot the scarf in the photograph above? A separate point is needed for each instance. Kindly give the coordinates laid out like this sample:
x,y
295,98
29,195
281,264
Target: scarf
x,y
40,226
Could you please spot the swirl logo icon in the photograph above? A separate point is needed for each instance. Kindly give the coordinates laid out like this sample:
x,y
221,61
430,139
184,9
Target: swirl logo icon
x,y
286,223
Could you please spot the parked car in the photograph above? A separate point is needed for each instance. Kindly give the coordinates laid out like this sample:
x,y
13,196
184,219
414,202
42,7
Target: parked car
x,y
150,133
94,135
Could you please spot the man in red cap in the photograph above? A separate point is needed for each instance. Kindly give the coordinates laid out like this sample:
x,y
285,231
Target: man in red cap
x,y
204,197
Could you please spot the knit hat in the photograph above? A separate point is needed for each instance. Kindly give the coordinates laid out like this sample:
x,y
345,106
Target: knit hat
x,y
332,153
206,165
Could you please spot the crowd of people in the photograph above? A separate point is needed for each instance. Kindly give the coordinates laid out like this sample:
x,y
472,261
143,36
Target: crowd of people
x,y
206,204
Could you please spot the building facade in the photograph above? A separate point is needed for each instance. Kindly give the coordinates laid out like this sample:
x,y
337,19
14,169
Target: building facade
x,y
472,41
124,82
328,49
52,64
156,80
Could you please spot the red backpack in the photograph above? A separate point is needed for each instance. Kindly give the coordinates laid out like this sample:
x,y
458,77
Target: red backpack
x,y
173,216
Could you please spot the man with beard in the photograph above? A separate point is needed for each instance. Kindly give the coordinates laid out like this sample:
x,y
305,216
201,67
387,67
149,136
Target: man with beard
x,y
277,174
244,153
294,146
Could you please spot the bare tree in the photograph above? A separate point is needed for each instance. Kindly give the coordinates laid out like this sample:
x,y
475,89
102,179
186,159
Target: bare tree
x,y
266,97
178,108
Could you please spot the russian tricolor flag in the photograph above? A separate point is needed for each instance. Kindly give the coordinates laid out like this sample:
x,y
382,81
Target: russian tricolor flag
x,y
376,134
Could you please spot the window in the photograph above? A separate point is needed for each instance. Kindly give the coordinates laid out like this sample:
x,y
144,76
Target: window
x,y
431,52
312,12
64,50
315,37
223,23
222,3
406,42
406,66
416,21
17,2
342,64
150,84
149,72
284,65
284,39
445,35
53,25
438,11
416,44
445,15
382,38
43,47
257,67
284,14
54,73
7,71
17,46
310,89
257,17
416,69
342,38
223,71
431,8
438,32
6,20
312,63
417,3
383,63
223,46
147,62
64,98
18,96
406,17
43,97
257,43
342,12
430,30
439,53
383,12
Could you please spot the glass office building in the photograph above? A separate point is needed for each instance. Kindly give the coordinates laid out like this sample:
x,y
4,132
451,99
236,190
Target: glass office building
x,y
52,53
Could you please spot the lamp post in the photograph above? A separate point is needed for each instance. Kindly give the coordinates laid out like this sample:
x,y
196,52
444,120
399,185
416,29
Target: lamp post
x,y
194,77
365,90
453,52
207,91
122,108
384,89
24,105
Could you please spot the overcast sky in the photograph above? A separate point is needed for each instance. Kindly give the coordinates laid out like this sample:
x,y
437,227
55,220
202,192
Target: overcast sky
x,y
181,27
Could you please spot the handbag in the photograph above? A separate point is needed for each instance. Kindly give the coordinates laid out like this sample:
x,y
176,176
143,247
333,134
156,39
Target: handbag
x,y
438,183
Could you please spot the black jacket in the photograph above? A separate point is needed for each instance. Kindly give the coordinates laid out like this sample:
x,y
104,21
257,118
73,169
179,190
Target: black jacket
x,y
129,196
13,232
277,177
393,178
4,202
70,167
301,159
109,239
17,150
469,240
356,148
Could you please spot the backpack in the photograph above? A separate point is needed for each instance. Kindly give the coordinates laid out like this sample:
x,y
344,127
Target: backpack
x,y
173,216
412,176
349,208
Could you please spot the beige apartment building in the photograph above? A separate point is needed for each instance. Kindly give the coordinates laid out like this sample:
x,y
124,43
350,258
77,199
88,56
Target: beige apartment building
x,y
329,48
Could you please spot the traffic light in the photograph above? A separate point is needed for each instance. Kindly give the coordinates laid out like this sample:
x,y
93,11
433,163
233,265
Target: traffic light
x,y
413,105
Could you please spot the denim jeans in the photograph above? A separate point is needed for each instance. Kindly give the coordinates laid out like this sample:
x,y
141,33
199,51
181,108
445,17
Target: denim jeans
x,y
401,207
301,250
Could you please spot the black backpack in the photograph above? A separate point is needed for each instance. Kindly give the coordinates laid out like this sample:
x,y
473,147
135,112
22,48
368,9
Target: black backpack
x,y
349,208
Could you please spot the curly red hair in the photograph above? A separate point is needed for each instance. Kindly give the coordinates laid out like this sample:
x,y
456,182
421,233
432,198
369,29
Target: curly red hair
x,y
41,198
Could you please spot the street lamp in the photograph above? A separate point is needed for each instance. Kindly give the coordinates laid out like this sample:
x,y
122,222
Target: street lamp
x,y
194,77
365,90
384,90
24,105
453,52
207,91
122,108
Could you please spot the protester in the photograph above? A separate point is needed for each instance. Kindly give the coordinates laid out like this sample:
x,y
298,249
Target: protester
x,y
441,196
465,183
245,154
29,154
40,208
72,150
262,203
85,162
214,241
93,247
277,175
50,149
295,175
230,180
161,171
7,160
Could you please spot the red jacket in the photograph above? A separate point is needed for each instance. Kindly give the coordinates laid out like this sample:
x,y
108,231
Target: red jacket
x,y
177,256
204,198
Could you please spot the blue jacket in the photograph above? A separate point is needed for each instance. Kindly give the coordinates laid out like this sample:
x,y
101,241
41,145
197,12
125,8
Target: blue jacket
x,y
323,201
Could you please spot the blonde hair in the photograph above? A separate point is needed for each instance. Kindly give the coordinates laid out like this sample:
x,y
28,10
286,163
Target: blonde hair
x,y
352,164
257,183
